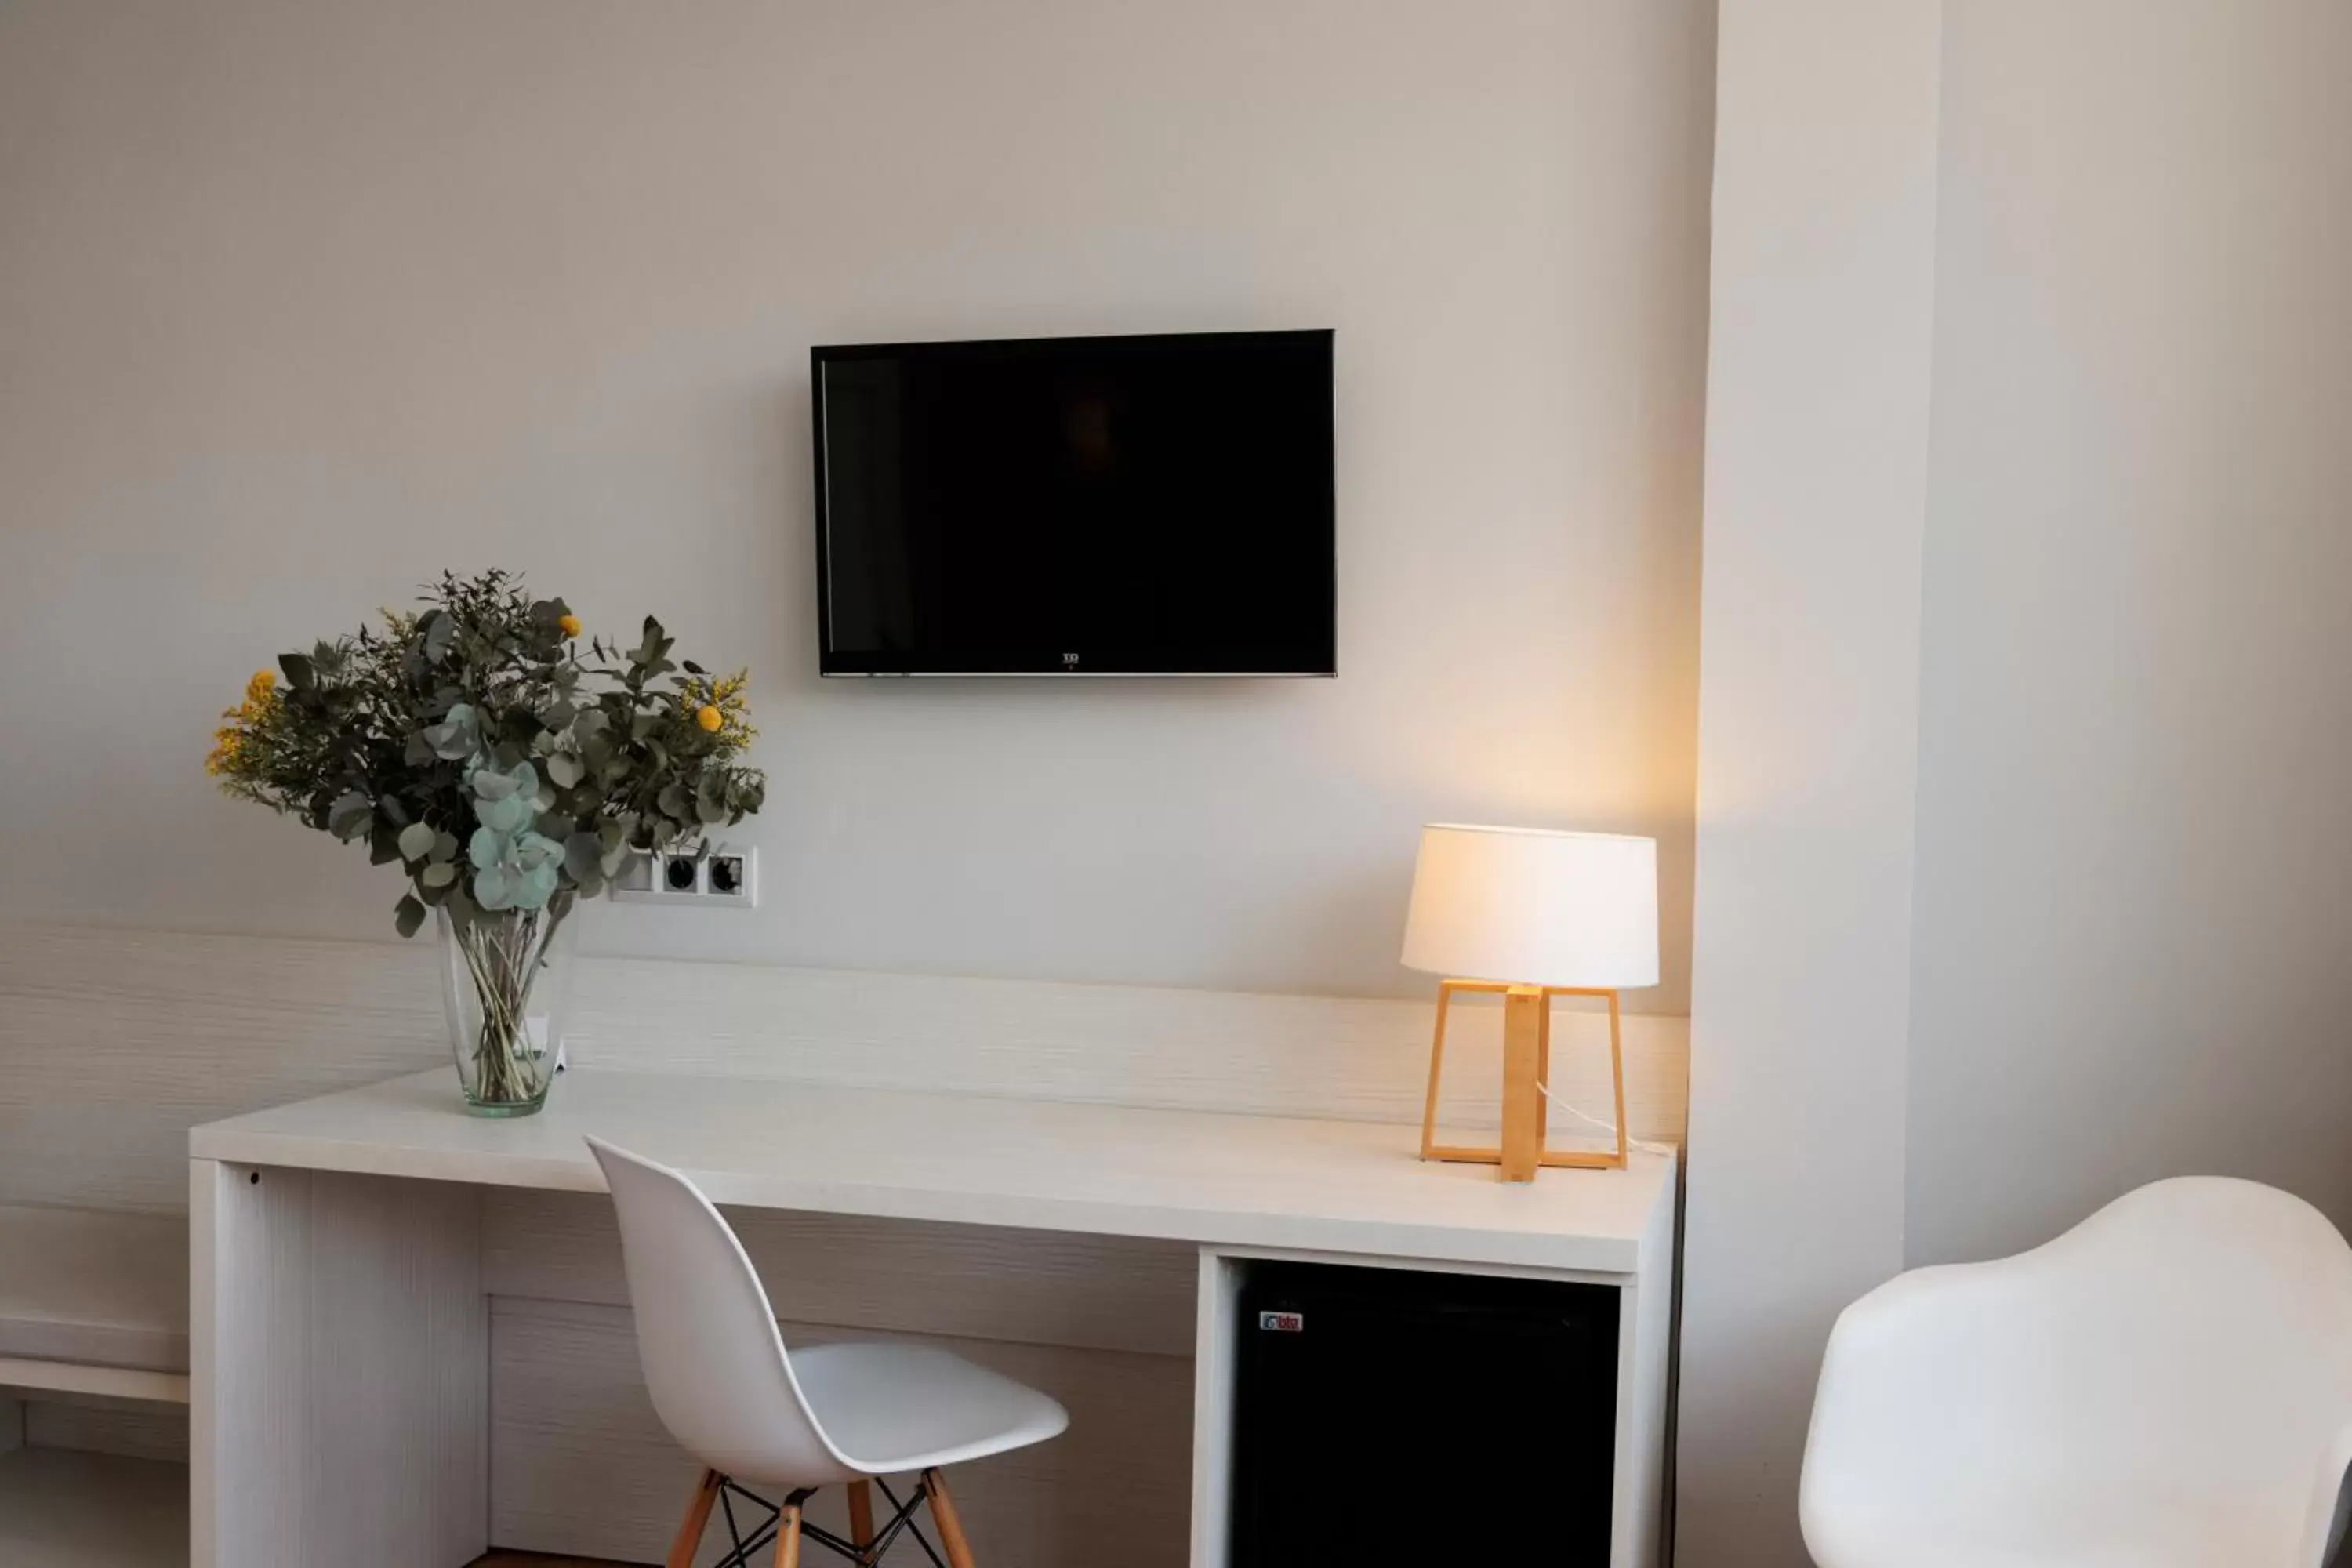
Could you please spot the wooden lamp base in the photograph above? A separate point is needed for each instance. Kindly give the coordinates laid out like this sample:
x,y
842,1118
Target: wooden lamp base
x,y
1527,1067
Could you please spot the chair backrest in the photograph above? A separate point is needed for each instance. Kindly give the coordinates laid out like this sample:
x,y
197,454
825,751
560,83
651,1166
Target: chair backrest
x,y
2169,1381
714,1362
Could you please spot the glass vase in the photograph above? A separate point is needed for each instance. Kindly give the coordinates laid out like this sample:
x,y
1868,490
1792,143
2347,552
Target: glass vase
x,y
505,979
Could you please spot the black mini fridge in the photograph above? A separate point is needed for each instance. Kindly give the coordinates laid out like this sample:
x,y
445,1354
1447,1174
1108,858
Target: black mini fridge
x,y
1395,1416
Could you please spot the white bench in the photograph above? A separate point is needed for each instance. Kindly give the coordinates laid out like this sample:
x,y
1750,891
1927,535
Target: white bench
x,y
94,1302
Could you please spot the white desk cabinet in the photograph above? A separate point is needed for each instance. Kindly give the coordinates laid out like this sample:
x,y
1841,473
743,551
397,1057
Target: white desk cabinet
x,y
340,1325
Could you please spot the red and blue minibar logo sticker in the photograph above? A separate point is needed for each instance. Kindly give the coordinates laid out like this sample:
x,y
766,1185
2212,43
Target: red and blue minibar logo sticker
x,y
1283,1323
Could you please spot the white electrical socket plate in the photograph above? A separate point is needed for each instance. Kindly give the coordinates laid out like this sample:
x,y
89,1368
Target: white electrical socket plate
x,y
654,890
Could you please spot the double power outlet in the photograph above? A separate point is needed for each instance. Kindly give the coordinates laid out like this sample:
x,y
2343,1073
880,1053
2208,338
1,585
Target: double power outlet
x,y
717,876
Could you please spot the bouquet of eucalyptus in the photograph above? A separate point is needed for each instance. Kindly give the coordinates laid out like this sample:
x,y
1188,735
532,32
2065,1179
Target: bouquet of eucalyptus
x,y
506,769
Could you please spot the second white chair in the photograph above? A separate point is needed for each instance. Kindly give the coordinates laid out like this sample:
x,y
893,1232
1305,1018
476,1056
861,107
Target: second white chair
x,y
731,1395
2166,1385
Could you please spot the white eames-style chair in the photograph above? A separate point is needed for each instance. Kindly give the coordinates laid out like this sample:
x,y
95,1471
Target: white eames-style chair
x,y
2166,1385
793,1422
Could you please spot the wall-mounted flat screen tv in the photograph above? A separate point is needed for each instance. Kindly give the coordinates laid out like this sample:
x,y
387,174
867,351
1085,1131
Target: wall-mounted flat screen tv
x,y
1157,505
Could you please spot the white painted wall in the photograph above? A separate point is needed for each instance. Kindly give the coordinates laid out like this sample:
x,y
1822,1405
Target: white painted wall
x,y
1816,496
299,304
2135,887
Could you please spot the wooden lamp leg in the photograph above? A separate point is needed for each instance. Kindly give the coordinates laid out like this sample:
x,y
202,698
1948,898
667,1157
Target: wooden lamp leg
x,y
697,1516
861,1517
1445,989
1617,1081
943,1514
1523,1050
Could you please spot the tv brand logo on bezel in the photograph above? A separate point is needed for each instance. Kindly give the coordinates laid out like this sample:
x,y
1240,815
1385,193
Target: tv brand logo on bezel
x,y
1283,1323
1069,661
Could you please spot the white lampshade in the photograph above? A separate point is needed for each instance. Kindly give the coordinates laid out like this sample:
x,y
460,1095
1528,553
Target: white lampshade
x,y
1531,908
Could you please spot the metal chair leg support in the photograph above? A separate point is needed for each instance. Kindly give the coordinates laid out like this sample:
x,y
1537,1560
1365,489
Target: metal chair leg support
x,y
785,1525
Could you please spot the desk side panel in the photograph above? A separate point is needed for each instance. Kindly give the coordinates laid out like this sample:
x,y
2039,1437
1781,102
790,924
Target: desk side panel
x,y
340,1392
1645,1361
247,1388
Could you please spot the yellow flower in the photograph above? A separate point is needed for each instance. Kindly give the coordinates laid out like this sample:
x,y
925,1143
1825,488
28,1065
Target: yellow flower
x,y
229,741
569,625
716,705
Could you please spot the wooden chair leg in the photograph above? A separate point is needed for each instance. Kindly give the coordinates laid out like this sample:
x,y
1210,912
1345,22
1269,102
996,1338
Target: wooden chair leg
x,y
697,1516
787,1538
861,1517
943,1514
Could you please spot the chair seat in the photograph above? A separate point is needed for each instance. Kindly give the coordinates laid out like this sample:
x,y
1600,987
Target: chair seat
x,y
2009,1535
893,1408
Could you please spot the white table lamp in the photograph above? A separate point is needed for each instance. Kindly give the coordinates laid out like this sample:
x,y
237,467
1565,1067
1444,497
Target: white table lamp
x,y
1532,915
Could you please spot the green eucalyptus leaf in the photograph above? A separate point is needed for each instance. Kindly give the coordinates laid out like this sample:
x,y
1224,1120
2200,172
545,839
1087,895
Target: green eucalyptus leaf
x,y
564,768
445,847
535,887
408,915
495,887
583,857
509,813
439,874
533,850
348,816
486,849
299,672
417,841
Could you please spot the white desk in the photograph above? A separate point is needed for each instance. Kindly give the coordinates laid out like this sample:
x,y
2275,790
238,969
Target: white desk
x,y
338,1324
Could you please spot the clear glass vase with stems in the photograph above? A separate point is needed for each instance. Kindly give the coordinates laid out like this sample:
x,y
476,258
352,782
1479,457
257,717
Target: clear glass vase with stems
x,y
506,977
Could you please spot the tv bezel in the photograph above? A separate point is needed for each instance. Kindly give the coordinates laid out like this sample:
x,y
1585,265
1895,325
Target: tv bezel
x,y
832,665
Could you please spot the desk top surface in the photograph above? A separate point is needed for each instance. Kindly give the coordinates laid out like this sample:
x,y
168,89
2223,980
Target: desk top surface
x,y
1237,1181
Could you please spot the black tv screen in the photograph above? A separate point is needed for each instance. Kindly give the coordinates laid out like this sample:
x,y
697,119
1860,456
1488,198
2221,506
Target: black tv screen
x,y
1153,505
